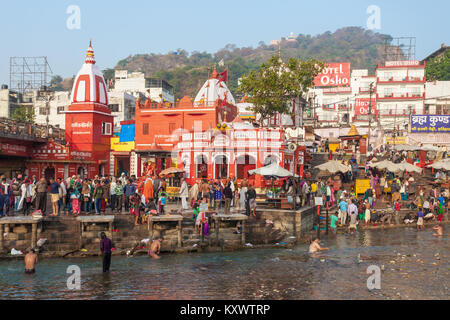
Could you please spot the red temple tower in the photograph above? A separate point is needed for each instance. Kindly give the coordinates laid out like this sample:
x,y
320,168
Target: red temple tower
x,y
89,123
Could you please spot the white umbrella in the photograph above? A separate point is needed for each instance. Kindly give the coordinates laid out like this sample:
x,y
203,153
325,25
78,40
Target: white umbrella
x,y
333,166
429,148
272,169
405,166
404,147
385,164
443,164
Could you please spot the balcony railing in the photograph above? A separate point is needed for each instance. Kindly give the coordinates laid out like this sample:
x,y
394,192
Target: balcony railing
x,y
395,113
176,105
400,96
31,132
401,80
402,64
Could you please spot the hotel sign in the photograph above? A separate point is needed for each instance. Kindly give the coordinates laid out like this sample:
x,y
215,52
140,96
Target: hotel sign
x,y
430,123
362,106
402,63
334,74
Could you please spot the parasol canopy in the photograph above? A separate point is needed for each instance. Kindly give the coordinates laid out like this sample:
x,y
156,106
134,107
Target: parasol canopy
x,y
333,166
385,165
272,169
442,164
171,170
405,166
405,147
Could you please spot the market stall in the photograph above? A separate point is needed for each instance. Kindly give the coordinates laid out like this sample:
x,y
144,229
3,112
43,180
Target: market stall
x,y
173,178
275,197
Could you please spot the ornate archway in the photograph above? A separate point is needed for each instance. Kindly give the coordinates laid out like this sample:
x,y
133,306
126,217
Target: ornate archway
x,y
244,163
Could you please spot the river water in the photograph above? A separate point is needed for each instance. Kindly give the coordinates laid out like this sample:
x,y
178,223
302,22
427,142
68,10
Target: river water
x,y
415,265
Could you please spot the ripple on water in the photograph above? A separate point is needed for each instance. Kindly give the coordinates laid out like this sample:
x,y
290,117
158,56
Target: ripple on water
x,y
252,274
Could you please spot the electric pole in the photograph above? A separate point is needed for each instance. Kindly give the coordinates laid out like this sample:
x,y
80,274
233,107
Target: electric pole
x,y
370,116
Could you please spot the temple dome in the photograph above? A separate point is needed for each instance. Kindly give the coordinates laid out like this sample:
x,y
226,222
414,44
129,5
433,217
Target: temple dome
x,y
89,85
212,90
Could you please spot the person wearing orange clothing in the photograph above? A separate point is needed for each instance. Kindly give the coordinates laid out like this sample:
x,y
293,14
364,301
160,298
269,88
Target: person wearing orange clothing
x,y
148,190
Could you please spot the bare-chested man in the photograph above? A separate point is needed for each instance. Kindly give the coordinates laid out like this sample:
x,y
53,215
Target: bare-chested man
x,y
204,189
155,248
315,246
439,231
31,259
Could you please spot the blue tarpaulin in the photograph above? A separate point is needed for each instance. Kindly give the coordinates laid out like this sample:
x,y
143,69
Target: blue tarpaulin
x,y
127,133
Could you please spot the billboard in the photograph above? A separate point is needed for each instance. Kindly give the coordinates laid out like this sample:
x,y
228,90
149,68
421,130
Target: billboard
x,y
362,106
334,74
430,123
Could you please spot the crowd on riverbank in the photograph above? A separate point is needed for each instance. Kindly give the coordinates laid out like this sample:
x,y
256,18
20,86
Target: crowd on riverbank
x,y
383,200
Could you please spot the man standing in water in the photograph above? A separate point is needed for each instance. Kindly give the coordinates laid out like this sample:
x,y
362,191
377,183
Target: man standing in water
x,y
30,261
155,248
105,247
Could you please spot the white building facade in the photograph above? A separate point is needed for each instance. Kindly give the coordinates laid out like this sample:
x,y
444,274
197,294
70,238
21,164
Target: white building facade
x,y
156,89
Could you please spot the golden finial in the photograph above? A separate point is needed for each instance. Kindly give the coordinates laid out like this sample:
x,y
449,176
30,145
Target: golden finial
x,y
90,42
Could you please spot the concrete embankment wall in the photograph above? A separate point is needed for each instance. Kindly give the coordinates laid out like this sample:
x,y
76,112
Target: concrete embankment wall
x,y
63,234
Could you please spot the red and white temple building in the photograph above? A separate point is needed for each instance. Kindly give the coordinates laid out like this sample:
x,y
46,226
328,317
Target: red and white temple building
x,y
89,126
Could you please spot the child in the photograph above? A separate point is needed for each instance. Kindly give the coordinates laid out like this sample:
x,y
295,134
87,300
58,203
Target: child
x,y
119,194
200,218
217,197
162,200
76,205
134,207
420,219
206,228
195,214
333,219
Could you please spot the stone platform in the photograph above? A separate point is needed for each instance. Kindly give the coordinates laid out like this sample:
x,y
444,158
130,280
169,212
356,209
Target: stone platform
x,y
6,223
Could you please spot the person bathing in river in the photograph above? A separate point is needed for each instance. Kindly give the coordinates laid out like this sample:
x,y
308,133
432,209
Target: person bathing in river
x,y
315,247
439,231
31,259
155,248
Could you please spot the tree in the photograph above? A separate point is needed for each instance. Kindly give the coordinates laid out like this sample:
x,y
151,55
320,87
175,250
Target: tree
x,y
24,115
56,80
272,88
439,68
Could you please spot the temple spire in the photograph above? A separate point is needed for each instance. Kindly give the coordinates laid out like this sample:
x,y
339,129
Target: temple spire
x,y
90,54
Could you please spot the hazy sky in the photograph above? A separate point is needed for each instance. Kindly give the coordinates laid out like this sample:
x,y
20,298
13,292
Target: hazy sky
x,y
121,28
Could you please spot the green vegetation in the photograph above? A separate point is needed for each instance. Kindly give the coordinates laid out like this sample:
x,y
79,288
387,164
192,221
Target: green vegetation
x,y
272,88
187,72
439,68
24,115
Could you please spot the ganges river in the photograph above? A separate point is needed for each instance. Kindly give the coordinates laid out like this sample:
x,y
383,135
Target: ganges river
x,y
414,265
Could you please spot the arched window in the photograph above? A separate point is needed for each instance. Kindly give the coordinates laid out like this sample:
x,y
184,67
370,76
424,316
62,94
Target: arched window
x,y
202,167
221,167
244,163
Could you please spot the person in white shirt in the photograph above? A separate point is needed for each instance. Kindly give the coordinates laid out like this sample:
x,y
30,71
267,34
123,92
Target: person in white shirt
x,y
25,199
233,189
184,193
113,194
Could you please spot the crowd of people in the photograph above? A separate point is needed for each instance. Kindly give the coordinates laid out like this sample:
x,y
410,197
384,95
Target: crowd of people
x,y
147,195
74,195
